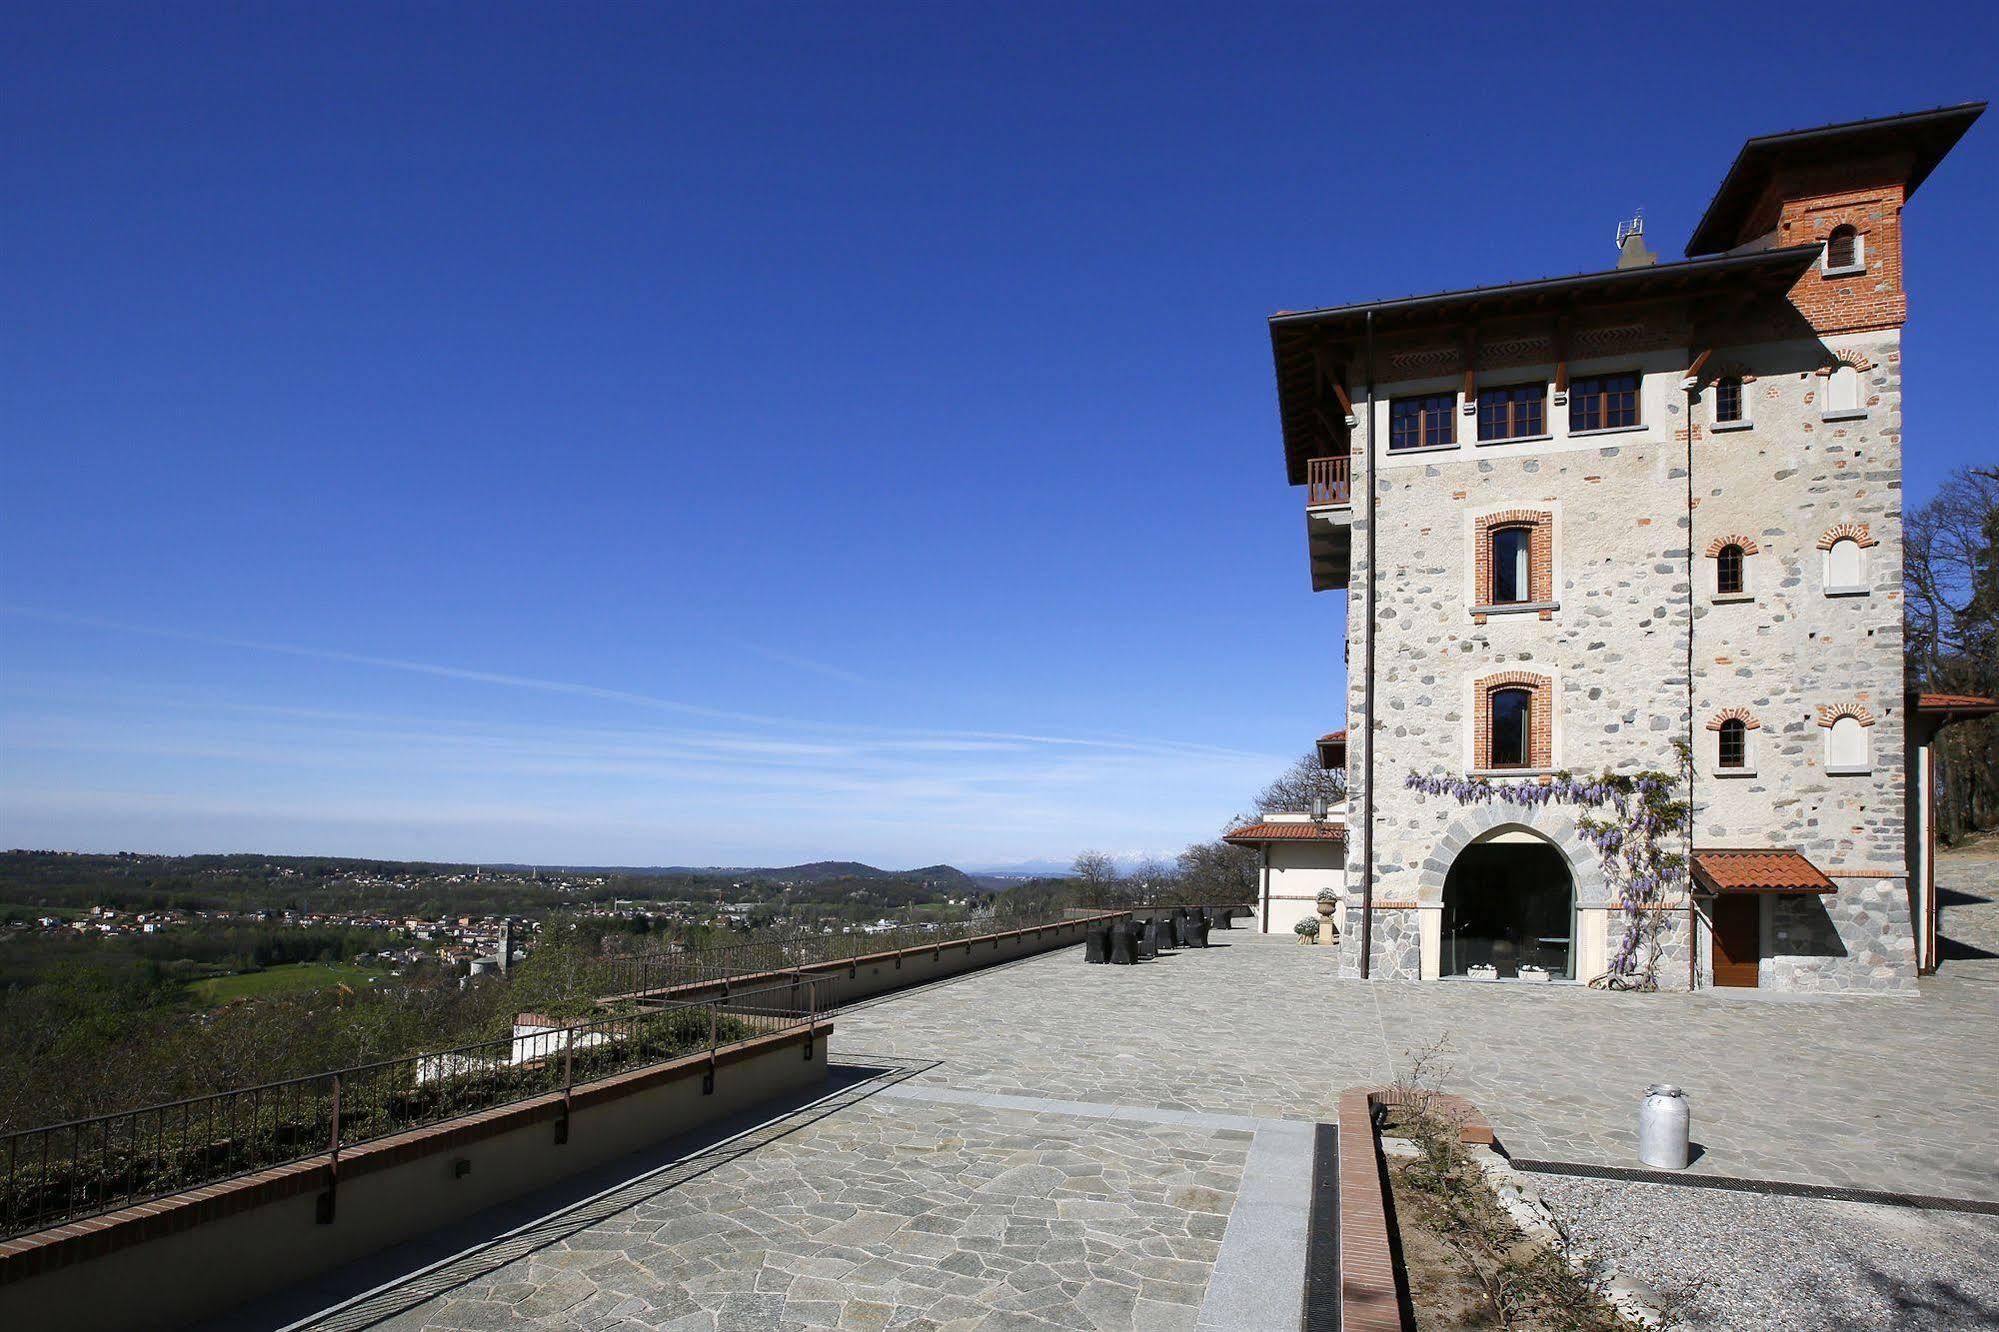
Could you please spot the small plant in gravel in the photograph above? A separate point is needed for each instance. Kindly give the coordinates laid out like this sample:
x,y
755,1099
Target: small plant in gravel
x,y
1516,1281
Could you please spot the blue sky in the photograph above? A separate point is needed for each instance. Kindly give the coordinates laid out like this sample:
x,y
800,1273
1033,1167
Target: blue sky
x,y
730,434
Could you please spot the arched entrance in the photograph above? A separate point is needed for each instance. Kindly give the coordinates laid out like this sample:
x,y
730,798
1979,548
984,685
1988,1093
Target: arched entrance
x,y
1510,903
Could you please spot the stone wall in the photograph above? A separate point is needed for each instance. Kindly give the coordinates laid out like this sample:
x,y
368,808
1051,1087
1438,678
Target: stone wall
x,y
1633,611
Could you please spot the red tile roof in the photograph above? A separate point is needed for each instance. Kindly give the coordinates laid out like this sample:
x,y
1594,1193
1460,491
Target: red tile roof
x,y
1758,872
1956,703
1288,832
1333,737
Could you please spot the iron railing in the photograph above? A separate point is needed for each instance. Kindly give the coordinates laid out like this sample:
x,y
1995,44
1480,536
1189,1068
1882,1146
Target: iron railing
x,y
754,960
65,1172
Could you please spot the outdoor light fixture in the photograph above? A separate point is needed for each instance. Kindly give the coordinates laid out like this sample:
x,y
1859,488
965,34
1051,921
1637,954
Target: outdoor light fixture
x,y
1318,809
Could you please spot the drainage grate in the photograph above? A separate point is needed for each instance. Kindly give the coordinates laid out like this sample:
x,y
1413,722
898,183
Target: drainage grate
x,y
1780,1188
1322,1244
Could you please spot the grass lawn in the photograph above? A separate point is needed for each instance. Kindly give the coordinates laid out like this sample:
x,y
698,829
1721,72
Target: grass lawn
x,y
291,978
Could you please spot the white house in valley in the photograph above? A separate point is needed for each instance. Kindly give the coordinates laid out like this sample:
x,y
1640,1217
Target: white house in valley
x,y
1588,524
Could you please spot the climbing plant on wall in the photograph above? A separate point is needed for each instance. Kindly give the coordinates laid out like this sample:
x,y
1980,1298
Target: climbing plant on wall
x,y
1639,824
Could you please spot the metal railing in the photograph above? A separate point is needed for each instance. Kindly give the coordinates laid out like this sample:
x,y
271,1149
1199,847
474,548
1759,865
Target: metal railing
x,y
1328,481
65,1172
665,970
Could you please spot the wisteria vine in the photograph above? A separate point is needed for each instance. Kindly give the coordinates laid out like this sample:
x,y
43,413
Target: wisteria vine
x,y
1639,825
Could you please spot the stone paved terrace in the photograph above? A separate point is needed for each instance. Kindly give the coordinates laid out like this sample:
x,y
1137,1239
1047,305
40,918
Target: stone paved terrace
x,y
1051,1144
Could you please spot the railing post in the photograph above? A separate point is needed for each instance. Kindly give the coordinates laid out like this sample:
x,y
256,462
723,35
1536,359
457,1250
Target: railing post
x,y
568,1084
708,1079
811,1018
328,1201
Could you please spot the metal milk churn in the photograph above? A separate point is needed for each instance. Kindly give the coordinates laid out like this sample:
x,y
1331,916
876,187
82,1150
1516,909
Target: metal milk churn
x,y
1663,1121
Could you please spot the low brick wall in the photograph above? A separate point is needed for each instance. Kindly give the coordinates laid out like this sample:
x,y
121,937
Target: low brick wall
x,y
1370,1298
245,1237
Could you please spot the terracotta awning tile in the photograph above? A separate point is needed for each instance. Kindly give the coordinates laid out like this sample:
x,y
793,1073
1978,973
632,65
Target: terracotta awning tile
x,y
1771,871
1956,703
1252,833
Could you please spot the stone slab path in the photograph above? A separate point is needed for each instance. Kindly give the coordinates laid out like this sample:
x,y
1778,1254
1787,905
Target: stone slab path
x,y
1050,1144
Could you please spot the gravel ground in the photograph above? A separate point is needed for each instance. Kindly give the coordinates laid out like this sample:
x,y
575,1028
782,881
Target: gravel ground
x,y
1748,1261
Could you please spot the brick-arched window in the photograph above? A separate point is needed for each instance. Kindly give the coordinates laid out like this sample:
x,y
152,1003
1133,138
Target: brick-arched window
x,y
1729,404
1843,249
1728,571
1734,742
1513,725
1848,748
1514,560
1731,563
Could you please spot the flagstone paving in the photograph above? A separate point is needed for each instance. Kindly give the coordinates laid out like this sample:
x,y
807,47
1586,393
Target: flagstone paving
x,y
1078,1146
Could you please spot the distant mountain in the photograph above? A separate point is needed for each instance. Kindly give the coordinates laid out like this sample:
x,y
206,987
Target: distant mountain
x,y
1025,869
816,871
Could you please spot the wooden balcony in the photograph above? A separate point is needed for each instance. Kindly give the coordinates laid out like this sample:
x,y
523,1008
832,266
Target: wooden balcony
x,y
1328,483
1329,520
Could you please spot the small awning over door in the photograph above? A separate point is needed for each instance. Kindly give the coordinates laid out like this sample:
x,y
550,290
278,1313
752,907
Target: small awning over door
x,y
1766,871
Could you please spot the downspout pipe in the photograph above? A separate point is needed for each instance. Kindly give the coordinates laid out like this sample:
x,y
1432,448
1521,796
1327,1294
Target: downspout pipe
x,y
1367,690
1692,387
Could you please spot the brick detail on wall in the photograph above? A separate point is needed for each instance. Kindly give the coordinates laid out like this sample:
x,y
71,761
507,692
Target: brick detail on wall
x,y
1807,203
1721,543
1845,532
1742,715
1832,712
1540,525
1540,721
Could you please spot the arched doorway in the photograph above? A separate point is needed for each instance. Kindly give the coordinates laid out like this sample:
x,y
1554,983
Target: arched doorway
x,y
1510,903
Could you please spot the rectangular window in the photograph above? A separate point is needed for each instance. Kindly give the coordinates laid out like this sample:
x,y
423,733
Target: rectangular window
x,y
1416,423
1728,400
1511,582
1603,402
1734,744
1517,412
1510,724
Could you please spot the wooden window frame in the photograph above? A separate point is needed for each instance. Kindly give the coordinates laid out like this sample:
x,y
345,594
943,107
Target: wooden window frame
x,y
1722,564
1432,410
1512,403
1724,388
1732,731
1855,260
1540,719
1492,697
1494,564
1592,393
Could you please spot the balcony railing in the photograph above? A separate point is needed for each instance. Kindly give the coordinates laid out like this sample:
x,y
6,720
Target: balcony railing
x,y
50,1176
1328,482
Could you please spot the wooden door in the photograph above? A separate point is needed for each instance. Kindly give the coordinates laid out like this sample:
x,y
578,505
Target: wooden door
x,y
1738,938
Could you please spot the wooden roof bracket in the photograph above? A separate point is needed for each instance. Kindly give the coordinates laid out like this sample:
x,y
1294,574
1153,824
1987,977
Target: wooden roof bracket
x,y
1562,361
1692,378
1320,356
1471,369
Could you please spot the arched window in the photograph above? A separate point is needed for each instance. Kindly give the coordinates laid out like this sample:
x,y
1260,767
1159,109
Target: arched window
x,y
1842,249
1846,745
1511,727
1842,392
1734,742
1728,571
1845,567
1728,400
1512,581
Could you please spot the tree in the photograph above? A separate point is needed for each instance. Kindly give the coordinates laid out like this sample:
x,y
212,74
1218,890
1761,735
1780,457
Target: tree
x,y
1298,785
1098,877
1216,873
1950,574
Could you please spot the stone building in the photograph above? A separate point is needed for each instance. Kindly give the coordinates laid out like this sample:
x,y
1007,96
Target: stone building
x,y
1596,523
